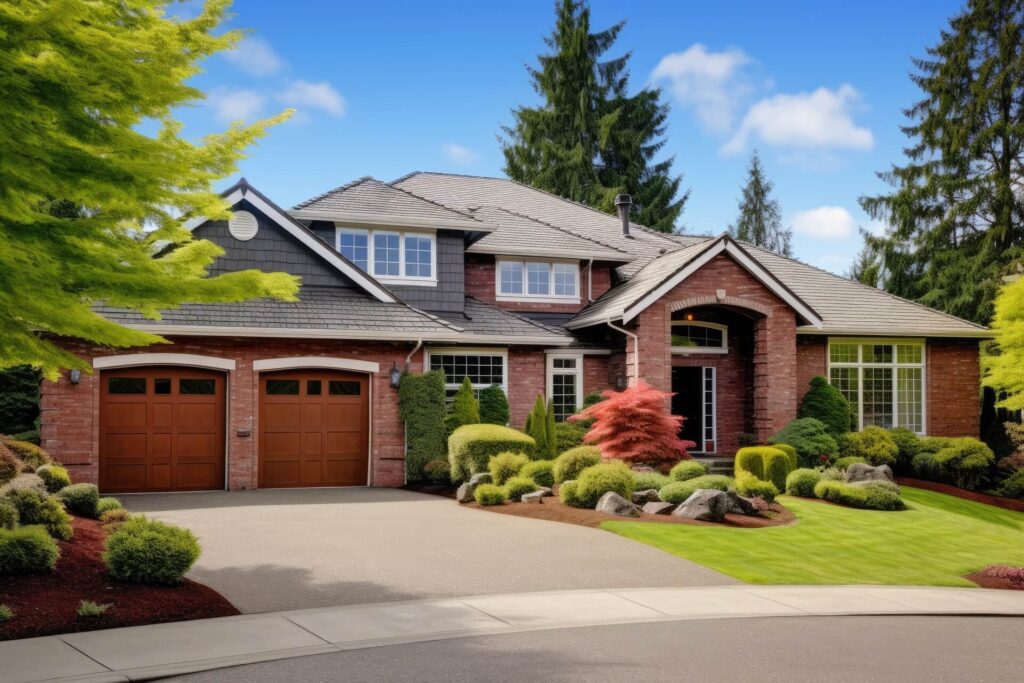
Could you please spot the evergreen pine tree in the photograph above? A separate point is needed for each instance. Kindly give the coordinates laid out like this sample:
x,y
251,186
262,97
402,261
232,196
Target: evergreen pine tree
x,y
493,406
956,212
537,427
760,219
465,408
550,430
865,268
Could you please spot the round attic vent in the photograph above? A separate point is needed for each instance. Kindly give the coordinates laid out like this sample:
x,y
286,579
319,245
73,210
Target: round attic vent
x,y
243,226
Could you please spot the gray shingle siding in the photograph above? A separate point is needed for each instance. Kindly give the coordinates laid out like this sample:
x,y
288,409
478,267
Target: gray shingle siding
x,y
271,250
449,294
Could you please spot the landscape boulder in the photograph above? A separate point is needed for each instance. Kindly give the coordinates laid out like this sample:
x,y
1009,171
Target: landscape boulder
x,y
613,504
467,492
646,496
739,505
535,497
859,471
658,508
705,505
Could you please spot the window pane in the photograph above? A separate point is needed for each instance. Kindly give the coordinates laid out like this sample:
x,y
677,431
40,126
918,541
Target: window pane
x,y
313,387
203,387
126,385
353,246
337,387
908,353
538,279
282,387
563,390
909,390
565,279
564,363
697,336
877,353
510,277
483,371
843,353
162,386
878,397
418,256
845,380
385,254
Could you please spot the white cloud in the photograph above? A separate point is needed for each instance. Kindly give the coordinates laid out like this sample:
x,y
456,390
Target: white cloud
x,y
234,105
255,56
320,96
710,83
819,120
825,223
458,154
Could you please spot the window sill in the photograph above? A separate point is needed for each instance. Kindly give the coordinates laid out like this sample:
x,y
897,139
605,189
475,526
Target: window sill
x,y
697,350
413,282
539,299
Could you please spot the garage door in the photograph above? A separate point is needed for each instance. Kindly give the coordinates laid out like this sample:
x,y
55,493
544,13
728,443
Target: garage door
x,y
161,429
314,428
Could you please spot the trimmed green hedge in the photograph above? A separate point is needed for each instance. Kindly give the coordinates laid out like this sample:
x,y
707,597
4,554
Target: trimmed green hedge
x,y
751,487
107,504
811,440
421,406
766,463
540,472
471,447
794,459
145,550
802,482
38,508
598,480
570,464
1013,486
27,550
687,469
505,465
966,462
844,463
54,476
925,466
866,497
517,487
678,491
646,481
489,494
81,499
909,444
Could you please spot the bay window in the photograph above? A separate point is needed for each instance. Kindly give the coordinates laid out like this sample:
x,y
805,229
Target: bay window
x,y
882,380
537,280
393,257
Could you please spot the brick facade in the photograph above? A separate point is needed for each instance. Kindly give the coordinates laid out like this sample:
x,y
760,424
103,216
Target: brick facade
x,y
953,376
480,284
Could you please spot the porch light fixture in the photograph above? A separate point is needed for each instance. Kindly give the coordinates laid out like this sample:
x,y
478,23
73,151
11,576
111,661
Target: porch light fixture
x,y
395,376
75,376
689,316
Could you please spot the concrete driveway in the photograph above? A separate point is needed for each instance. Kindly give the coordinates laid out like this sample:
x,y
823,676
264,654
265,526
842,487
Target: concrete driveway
x,y
288,549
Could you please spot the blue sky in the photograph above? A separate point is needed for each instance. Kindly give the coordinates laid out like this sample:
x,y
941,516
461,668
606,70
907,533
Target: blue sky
x,y
386,88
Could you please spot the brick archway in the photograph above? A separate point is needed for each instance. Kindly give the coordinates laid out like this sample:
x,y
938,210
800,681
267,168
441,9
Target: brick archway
x,y
733,301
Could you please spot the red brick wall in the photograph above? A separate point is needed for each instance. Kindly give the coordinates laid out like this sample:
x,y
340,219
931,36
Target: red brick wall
x,y
953,396
480,284
525,382
597,374
811,362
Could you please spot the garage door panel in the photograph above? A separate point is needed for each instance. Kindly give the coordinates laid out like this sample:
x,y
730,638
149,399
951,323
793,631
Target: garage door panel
x,y
194,475
127,415
160,475
344,470
125,477
281,445
314,444
127,446
344,443
312,472
344,417
286,472
277,415
161,446
197,445
197,417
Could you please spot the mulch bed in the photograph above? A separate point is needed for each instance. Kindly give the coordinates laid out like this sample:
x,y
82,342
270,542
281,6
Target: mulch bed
x,y
948,489
46,604
986,580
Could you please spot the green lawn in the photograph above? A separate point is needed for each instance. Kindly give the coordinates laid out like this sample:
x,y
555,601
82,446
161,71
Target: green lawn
x,y
936,541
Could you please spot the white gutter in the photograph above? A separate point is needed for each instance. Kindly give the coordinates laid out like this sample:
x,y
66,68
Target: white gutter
x,y
408,359
636,347
894,332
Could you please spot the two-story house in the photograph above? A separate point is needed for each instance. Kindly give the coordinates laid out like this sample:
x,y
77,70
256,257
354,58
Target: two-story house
x,y
488,279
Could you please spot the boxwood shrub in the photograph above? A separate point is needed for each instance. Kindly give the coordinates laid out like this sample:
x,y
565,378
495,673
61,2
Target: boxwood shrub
x,y
908,443
570,464
925,466
54,477
506,465
865,497
794,459
933,444
540,472
766,463
597,480
687,469
678,491
751,487
471,447
1013,486
27,550
8,514
145,550
39,508
827,404
567,493
845,462
802,482
81,499
965,461
646,481
489,494
874,444
517,487
811,440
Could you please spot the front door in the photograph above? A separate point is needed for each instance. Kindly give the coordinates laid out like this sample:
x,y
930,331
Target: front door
x,y
688,402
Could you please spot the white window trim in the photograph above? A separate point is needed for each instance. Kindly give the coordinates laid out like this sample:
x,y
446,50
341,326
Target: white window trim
x,y
469,351
691,350
551,297
371,266
709,433
552,371
859,365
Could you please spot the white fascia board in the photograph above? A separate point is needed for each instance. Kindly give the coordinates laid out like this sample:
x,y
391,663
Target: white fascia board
x,y
634,309
132,360
563,254
582,352
894,332
769,281
321,362
359,219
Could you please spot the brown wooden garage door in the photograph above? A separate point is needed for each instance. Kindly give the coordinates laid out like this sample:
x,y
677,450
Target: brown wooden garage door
x,y
161,429
314,428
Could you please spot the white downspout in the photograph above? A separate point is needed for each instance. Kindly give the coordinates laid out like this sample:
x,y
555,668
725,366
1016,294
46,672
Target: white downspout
x,y
590,281
408,359
636,347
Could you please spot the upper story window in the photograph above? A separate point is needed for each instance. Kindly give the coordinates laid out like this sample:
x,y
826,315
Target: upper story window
x,y
692,336
883,380
391,257
533,280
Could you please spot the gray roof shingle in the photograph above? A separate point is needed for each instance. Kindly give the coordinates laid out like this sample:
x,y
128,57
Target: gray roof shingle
x,y
487,319
521,235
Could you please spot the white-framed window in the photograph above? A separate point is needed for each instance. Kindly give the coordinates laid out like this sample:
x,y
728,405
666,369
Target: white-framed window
x,y
709,428
392,257
565,383
537,280
693,336
884,380
484,367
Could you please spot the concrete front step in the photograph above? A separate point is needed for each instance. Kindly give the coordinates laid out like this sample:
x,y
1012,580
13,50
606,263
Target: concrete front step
x,y
716,464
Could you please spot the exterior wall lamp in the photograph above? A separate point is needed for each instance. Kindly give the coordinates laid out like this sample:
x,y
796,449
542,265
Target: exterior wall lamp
x,y
75,376
395,376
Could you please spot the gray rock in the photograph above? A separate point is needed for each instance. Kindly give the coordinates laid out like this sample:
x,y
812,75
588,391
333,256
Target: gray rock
x,y
706,505
535,497
614,504
481,478
466,492
859,471
646,496
658,508
544,492
740,505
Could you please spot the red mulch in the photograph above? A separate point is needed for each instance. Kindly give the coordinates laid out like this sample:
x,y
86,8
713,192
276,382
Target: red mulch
x,y
45,604
948,489
986,580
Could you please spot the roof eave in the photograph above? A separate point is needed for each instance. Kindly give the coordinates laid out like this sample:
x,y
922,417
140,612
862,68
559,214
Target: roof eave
x,y
610,257
362,219
895,332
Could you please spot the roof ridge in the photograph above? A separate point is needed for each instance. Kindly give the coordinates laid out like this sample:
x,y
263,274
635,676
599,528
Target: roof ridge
x,y
328,193
514,314
560,229
865,286
431,201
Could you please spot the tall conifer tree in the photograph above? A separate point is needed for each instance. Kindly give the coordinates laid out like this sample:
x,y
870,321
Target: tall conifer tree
x,y
760,219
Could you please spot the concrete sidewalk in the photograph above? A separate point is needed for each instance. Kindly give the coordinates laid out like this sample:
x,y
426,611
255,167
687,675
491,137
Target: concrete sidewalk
x,y
147,652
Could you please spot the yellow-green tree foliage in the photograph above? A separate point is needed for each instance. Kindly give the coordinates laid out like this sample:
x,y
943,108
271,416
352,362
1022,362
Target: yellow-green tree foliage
x,y
1004,364
87,192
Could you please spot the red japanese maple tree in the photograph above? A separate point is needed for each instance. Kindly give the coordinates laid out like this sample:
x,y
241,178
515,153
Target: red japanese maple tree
x,y
636,425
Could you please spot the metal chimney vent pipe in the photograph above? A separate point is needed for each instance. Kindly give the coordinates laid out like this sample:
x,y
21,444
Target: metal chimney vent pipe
x,y
622,204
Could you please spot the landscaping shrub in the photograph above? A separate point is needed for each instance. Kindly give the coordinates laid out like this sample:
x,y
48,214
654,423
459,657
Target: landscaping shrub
x,y
54,477
517,487
29,436
493,406
568,494
751,487
965,461
465,408
438,471
471,447
749,460
908,443
833,474
569,435
422,408
87,609
864,497
81,499
31,455
489,494
764,462
844,463
540,472
1012,463
678,491
874,444
149,551
794,459
540,425
8,514
810,439
880,484
570,464
113,519
932,444
27,550
646,481
827,404
802,482
883,495
9,465
925,466
636,426
38,508
1013,486
109,503
506,465
598,480
687,469
29,480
